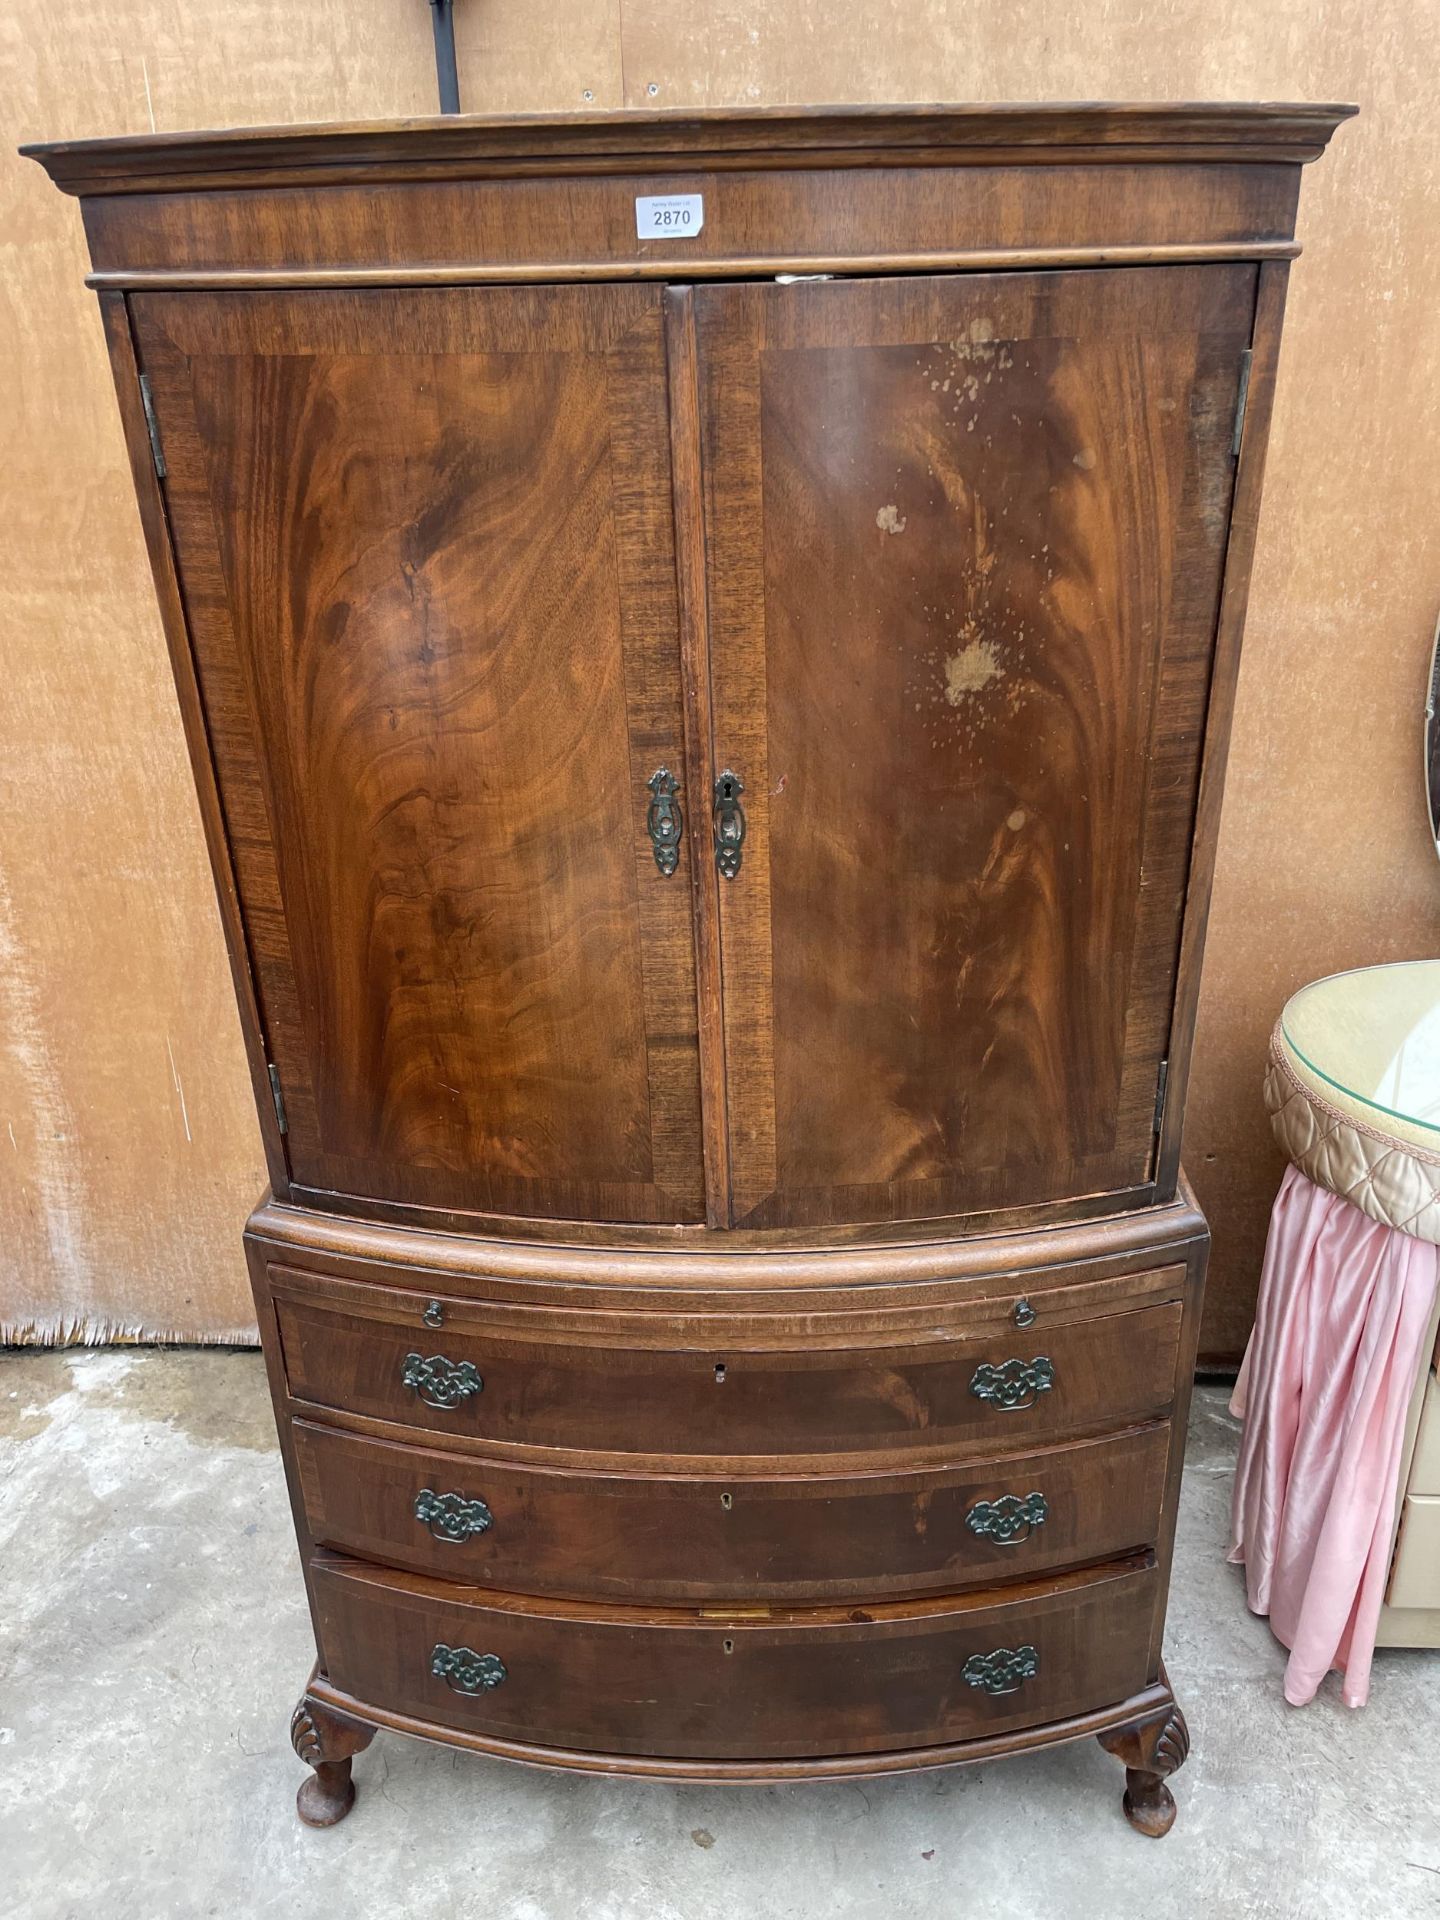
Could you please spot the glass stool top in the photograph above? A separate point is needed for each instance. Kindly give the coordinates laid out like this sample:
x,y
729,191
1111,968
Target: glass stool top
x,y
1374,1034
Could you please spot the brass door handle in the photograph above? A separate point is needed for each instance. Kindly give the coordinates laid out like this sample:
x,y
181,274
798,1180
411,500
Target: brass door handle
x,y
664,822
729,823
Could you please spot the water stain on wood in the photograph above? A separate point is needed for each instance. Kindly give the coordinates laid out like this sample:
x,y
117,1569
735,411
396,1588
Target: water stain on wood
x,y
971,670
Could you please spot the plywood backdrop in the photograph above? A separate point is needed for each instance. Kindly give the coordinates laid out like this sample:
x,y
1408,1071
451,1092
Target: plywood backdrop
x,y
126,1137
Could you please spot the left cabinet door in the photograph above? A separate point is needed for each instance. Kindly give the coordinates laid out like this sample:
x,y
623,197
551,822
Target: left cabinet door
x,y
425,544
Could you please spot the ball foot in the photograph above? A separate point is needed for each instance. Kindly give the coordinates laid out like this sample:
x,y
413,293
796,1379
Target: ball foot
x,y
1149,1806
327,1795
328,1742
1150,1749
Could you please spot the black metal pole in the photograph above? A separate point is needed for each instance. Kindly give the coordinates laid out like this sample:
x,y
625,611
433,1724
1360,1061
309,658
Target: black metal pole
x,y
443,19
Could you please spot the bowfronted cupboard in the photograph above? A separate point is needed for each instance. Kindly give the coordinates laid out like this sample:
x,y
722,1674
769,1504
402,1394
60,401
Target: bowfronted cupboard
x,y
707,646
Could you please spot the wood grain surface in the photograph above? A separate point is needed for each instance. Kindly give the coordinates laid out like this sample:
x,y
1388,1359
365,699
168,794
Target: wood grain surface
x,y
701,1538
862,1604
825,1681
425,543
122,1078
965,557
423,538
554,1391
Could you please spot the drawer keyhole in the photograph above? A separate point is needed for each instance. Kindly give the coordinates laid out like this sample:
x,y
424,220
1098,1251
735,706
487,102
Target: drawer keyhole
x,y
727,1501
729,1645
719,1373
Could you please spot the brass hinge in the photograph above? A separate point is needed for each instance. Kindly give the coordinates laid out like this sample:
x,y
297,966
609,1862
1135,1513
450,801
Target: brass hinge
x,y
152,426
278,1097
1160,1080
1240,399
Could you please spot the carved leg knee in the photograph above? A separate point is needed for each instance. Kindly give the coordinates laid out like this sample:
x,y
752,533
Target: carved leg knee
x,y
1150,1750
328,1742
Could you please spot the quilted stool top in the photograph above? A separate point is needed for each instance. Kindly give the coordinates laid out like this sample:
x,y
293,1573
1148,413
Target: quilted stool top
x,y
1353,1090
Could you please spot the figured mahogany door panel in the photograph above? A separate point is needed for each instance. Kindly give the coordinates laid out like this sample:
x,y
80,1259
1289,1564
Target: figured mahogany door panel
x,y
964,551
699,1539
426,546
842,1679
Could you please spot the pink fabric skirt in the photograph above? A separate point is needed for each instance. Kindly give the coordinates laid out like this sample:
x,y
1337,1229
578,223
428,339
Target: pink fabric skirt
x,y
1332,1363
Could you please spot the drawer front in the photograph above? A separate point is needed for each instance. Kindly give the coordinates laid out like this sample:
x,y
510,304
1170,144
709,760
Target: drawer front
x,y
994,1392
827,1682
1425,1466
583,1535
1415,1574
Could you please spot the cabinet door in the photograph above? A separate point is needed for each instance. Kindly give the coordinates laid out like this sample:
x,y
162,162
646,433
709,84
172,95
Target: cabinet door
x,y
425,542
964,558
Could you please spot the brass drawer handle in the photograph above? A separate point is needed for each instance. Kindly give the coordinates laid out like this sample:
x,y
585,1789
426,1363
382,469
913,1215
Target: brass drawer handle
x,y
729,824
1004,1671
1008,1520
467,1672
440,1382
664,821
1014,1383
450,1516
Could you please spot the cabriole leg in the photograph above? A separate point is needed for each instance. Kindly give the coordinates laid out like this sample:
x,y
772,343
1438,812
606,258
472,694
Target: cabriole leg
x,y
1150,1749
328,1742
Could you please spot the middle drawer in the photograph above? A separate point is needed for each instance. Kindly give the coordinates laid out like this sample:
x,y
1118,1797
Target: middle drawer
x,y
587,1535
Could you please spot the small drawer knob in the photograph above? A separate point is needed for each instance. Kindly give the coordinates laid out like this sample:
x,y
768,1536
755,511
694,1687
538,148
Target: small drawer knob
x,y
1004,1671
1023,1314
441,1383
1010,1519
434,1315
1014,1383
464,1671
450,1516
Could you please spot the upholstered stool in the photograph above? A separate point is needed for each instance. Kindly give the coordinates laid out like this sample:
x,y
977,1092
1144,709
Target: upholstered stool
x,y
1340,1456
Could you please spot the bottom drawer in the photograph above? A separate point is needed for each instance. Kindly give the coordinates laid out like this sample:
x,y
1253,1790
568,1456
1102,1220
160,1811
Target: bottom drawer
x,y
627,1680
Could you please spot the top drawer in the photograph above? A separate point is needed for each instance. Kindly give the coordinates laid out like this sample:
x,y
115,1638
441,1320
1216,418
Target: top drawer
x,y
655,1389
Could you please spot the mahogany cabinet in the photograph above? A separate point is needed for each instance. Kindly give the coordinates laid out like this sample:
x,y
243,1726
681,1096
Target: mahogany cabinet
x,y
707,645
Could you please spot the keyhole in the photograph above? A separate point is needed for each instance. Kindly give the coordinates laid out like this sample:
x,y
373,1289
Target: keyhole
x,y
729,1646
727,1501
719,1373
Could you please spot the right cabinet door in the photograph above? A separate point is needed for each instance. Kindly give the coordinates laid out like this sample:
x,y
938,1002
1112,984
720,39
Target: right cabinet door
x,y
965,541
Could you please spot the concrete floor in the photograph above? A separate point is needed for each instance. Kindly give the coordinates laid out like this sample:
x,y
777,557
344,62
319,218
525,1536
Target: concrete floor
x,y
153,1639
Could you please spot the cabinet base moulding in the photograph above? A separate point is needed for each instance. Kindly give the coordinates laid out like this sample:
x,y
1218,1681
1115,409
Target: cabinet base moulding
x,y
1138,1725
